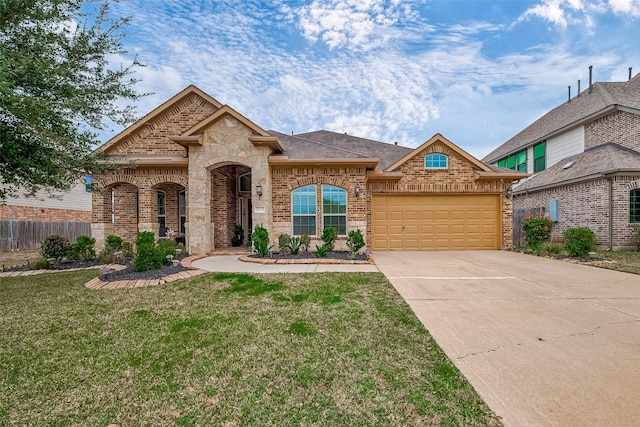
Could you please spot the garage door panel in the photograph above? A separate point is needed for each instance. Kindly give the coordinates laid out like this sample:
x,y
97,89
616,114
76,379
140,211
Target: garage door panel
x,y
436,222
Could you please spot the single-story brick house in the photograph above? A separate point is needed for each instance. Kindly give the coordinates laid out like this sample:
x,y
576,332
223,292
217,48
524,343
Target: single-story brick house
x,y
199,168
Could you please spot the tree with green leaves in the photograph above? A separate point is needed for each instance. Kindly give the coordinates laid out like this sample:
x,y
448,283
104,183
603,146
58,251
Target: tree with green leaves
x,y
58,87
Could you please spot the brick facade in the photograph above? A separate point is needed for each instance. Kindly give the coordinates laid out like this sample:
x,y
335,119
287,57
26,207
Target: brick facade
x,y
586,204
620,127
31,213
457,178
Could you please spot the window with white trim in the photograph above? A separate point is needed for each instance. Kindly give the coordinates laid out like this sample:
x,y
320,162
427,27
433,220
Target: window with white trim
x,y
436,161
182,210
303,210
334,208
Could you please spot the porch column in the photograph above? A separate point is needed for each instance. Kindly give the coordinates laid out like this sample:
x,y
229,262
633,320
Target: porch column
x,y
101,225
199,230
148,211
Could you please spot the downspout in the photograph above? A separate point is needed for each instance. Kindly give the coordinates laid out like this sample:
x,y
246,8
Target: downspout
x,y
610,213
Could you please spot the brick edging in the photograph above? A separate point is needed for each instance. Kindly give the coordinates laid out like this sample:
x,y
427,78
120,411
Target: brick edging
x,y
37,272
246,258
128,284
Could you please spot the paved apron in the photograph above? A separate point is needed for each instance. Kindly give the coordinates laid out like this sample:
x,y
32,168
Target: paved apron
x,y
544,342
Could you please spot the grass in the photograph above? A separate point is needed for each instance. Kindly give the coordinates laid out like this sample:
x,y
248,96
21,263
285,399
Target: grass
x,y
224,349
627,261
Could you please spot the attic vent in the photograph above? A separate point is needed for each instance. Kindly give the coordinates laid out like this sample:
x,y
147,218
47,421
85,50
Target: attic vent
x,y
568,165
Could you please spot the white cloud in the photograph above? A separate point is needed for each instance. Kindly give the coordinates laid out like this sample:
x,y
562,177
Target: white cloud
x,y
356,24
626,7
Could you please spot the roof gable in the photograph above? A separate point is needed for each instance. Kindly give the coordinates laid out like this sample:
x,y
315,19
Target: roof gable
x,y
225,110
441,139
158,113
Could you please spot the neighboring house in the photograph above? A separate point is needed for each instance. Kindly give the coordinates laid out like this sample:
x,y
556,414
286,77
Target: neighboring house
x,y
26,220
199,168
585,157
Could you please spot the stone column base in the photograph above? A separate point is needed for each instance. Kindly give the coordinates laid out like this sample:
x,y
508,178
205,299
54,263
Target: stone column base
x,y
100,231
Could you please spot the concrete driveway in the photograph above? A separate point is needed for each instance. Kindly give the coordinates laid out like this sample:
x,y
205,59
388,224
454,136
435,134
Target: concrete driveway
x,y
544,342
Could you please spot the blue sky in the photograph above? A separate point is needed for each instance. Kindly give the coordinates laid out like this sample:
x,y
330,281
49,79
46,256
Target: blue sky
x,y
476,71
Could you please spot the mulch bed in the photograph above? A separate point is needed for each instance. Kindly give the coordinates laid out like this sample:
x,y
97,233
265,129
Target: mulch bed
x,y
343,255
128,273
62,265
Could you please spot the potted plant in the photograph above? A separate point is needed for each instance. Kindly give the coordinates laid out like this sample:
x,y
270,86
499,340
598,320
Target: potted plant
x,y
238,236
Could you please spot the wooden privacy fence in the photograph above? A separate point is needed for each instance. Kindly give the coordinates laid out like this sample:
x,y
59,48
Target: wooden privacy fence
x,y
27,235
518,216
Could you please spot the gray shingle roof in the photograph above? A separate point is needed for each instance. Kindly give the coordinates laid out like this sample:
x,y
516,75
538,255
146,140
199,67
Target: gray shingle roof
x,y
603,96
595,162
331,145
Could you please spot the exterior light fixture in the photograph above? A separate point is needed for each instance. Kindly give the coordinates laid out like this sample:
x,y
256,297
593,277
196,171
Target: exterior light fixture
x,y
357,189
259,190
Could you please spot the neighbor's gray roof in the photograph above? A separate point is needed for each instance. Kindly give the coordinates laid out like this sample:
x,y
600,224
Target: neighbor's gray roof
x,y
604,95
323,144
595,162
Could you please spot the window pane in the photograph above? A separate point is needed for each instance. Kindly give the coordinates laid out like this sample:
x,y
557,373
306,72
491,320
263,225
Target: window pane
x,y
304,224
161,203
245,182
511,162
337,221
182,203
539,150
634,206
435,161
502,163
304,200
334,200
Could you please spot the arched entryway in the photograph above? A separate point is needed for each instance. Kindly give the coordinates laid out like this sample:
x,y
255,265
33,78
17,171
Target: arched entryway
x,y
230,205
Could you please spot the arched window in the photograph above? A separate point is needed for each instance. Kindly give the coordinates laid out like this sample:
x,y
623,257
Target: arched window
x,y
634,205
303,210
162,213
244,182
334,208
436,161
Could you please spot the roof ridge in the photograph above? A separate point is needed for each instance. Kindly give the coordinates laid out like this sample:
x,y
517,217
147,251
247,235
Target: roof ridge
x,y
332,146
604,93
614,145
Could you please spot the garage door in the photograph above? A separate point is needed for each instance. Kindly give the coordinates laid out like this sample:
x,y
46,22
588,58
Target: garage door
x,y
437,222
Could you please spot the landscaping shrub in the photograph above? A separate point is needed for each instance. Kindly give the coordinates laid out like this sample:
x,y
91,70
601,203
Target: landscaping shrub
x,y
260,239
113,242
166,247
579,241
83,249
183,250
41,265
537,229
148,257
548,248
305,241
329,236
322,251
294,245
283,243
55,246
355,242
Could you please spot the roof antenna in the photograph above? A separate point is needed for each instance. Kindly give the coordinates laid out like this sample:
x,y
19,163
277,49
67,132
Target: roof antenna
x,y
630,68
291,133
590,78
578,87
569,87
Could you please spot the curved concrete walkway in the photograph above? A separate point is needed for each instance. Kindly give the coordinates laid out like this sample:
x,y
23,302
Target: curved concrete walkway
x,y
232,264
544,342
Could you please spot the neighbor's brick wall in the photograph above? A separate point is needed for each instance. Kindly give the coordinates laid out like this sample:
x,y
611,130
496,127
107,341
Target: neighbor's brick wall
x,y
31,213
457,178
154,137
587,205
619,127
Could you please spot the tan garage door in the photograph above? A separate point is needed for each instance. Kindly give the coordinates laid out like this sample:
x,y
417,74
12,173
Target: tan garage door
x,y
438,222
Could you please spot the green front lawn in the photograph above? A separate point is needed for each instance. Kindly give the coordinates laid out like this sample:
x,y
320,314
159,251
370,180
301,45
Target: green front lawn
x,y
224,349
